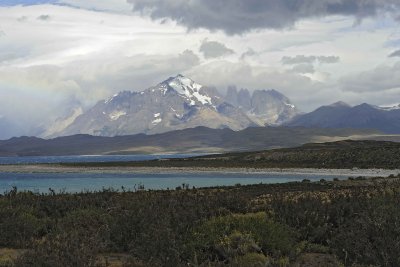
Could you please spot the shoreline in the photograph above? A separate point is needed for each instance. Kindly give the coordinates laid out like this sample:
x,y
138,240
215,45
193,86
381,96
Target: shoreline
x,y
43,168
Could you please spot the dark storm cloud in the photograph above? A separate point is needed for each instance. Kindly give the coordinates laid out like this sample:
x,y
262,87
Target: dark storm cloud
x,y
212,49
238,16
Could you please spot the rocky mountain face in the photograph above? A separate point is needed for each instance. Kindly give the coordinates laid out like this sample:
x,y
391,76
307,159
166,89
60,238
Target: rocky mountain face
x,y
174,104
264,107
61,123
342,115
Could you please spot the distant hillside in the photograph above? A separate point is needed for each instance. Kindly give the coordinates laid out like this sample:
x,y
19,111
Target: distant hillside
x,y
194,140
341,115
334,155
340,154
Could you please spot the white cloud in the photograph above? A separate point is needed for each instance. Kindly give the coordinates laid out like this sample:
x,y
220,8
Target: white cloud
x,y
118,6
305,92
382,78
303,68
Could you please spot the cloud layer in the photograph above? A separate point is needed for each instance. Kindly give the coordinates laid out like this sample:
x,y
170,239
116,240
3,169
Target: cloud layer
x,y
381,79
239,16
302,59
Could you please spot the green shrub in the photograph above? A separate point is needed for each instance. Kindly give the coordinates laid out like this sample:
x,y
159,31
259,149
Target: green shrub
x,y
228,237
252,260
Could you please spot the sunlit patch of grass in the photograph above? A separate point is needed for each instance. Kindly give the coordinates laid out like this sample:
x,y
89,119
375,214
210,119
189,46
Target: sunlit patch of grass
x,y
9,255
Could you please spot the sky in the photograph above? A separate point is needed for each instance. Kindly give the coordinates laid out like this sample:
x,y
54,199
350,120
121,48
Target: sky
x,y
58,55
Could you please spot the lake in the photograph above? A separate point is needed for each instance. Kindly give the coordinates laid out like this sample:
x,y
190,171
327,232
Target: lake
x,y
78,182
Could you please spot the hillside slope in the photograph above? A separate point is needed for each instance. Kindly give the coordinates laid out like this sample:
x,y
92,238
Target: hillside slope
x,y
344,154
194,140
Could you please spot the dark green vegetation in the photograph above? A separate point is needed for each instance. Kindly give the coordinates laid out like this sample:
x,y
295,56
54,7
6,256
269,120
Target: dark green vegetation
x,y
200,139
350,223
338,155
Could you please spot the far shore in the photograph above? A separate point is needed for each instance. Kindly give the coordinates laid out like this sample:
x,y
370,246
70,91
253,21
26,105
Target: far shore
x,y
53,168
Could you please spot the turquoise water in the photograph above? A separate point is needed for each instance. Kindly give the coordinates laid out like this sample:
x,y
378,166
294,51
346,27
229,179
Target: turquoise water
x,y
77,182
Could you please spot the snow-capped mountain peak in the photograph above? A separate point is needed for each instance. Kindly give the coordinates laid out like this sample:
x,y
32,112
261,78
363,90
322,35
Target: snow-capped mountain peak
x,y
188,89
179,103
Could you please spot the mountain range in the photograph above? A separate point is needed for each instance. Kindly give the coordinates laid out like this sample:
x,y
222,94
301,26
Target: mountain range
x,y
342,115
174,104
180,103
